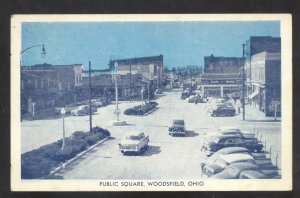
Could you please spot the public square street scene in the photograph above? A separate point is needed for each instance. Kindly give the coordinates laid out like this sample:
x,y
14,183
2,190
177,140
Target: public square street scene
x,y
166,158
151,100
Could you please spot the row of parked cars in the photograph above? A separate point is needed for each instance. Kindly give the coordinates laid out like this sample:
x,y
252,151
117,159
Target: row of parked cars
x,y
82,108
233,154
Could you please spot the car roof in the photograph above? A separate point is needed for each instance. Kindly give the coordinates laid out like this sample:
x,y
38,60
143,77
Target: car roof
x,y
228,128
243,166
223,136
235,157
229,150
178,120
133,133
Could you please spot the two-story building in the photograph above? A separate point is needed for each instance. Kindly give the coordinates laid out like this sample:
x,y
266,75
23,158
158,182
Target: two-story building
x,y
221,76
266,82
46,86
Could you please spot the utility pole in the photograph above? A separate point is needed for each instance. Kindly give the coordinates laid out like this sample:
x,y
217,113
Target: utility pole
x,y
90,100
130,82
243,87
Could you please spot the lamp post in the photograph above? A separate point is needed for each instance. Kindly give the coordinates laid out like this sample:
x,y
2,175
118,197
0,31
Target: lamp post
x,y
117,110
63,112
43,56
28,48
142,94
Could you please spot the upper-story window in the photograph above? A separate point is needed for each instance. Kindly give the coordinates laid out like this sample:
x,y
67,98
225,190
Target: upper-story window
x,y
42,83
22,84
36,83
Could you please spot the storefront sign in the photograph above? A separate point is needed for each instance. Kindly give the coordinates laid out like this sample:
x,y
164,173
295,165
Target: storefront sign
x,y
235,81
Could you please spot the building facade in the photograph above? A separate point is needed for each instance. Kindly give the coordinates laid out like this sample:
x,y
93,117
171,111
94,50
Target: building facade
x,y
46,86
151,67
221,76
103,85
266,83
256,45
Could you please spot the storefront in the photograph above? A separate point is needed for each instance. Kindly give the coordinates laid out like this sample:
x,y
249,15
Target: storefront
x,y
220,87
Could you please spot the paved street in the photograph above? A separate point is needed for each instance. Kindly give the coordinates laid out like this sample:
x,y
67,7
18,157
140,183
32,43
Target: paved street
x,y
167,157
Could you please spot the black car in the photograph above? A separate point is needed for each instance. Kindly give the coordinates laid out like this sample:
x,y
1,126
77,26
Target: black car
x,y
185,95
223,110
218,142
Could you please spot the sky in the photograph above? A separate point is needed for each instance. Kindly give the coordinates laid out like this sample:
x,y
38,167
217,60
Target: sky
x,y
181,43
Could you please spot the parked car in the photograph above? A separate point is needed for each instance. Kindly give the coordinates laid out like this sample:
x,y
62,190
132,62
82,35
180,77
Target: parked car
x,y
234,171
158,91
230,131
194,98
83,110
218,142
223,161
223,110
231,150
184,95
96,103
252,174
133,141
177,127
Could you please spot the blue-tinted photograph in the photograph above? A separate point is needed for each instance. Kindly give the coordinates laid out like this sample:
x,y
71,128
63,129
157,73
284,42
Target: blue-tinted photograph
x,y
171,100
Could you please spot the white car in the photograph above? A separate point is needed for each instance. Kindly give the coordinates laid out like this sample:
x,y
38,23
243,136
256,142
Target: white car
x,y
133,141
83,110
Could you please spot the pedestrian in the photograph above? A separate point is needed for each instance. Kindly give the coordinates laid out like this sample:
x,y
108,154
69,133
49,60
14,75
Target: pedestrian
x,y
196,101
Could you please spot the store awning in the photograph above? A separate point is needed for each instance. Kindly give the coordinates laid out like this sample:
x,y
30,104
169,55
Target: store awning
x,y
253,94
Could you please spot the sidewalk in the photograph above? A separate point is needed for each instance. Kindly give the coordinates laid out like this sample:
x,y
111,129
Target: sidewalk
x,y
252,113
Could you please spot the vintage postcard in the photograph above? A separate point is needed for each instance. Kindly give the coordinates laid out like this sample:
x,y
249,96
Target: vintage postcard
x,y
151,102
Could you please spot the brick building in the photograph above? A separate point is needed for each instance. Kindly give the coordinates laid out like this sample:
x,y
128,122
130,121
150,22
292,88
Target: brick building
x,y
103,85
46,86
266,83
151,67
258,44
221,76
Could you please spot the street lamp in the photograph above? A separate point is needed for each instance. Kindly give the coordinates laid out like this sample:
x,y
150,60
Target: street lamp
x,y
117,111
28,48
63,112
43,56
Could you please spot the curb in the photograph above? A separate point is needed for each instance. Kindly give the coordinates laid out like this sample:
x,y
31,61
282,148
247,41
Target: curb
x,y
67,163
150,111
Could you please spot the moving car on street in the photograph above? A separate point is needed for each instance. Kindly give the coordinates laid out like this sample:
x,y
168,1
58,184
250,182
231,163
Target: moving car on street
x,y
83,110
177,127
213,144
134,142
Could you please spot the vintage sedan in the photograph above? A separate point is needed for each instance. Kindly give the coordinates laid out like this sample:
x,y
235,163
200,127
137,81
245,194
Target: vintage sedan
x,y
134,142
231,150
223,161
230,130
215,143
83,110
177,127
223,110
234,171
